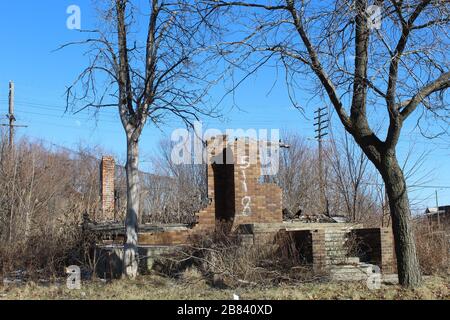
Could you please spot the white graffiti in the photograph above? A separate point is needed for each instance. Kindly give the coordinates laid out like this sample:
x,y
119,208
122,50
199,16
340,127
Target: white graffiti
x,y
246,200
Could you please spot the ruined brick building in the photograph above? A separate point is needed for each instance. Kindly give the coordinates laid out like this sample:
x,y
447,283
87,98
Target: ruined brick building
x,y
241,204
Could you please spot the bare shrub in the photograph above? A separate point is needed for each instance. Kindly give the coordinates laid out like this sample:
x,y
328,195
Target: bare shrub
x,y
432,250
225,261
43,254
355,246
176,192
44,193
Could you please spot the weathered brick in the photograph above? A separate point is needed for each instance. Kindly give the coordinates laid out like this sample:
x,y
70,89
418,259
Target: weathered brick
x,y
107,172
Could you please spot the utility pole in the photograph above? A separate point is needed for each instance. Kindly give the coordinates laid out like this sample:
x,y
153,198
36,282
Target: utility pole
x,y
11,117
437,210
322,126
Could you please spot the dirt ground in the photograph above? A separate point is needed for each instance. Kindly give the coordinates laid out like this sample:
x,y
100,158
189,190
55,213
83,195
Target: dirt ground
x,y
160,288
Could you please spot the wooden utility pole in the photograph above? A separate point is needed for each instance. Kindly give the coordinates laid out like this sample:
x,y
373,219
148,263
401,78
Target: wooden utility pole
x,y
437,210
11,117
322,125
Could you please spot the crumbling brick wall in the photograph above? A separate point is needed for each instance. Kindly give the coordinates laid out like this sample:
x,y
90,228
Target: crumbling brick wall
x,y
236,196
234,189
107,175
376,245
323,244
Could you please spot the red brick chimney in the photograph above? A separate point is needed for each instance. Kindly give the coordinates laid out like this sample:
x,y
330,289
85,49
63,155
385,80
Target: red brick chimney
x,y
107,173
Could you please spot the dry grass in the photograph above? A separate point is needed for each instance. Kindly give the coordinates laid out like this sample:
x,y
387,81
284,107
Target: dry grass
x,y
43,195
433,250
154,287
224,261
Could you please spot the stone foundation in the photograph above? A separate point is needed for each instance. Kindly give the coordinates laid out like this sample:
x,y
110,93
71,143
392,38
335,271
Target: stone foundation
x,y
110,258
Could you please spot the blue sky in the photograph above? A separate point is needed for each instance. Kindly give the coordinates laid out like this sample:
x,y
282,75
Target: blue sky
x,y
30,32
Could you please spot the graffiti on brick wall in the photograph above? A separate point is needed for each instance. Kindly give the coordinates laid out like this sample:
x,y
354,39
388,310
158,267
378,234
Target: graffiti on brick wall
x,y
246,200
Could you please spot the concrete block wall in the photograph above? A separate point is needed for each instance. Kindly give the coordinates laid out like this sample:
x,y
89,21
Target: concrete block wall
x,y
328,247
335,246
375,245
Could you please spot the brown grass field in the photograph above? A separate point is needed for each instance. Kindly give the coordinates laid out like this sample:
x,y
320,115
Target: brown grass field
x,y
154,287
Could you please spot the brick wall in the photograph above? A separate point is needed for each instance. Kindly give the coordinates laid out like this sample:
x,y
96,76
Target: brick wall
x,y
328,246
236,195
107,173
376,245
238,198
388,259
164,238
318,250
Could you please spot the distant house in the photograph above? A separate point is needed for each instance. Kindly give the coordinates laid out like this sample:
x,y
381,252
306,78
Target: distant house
x,y
438,216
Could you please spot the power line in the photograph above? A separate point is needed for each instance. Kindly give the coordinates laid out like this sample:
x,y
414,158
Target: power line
x,y
253,121
71,118
73,127
75,152
424,186
53,107
63,112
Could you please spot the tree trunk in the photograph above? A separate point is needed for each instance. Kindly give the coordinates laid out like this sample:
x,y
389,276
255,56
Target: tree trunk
x,y
130,258
405,246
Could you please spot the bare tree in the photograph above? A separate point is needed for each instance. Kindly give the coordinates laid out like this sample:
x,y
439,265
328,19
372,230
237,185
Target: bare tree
x,y
398,68
297,176
350,183
178,191
351,178
147,80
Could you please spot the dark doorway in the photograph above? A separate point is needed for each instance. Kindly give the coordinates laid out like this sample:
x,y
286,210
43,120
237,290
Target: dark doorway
x,y
224,189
